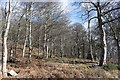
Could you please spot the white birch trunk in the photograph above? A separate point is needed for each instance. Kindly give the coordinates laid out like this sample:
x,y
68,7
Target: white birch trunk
x,y
26,36
105,46
30,32
47,51
26,40
45,42
4,46
11,51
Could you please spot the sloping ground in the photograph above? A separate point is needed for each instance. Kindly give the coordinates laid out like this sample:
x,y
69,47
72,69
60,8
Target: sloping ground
x,y
38,68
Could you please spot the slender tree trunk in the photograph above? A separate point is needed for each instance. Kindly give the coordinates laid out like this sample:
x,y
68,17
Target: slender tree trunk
x,y
4,41
90,40
30,40
39,48
91,50
47,51
61,47
105,46
83,55
78,48
25,43
45,42
11,51
52,51
118,50
78,51
72,51
16,46
30,30
26,36
39,52
26,40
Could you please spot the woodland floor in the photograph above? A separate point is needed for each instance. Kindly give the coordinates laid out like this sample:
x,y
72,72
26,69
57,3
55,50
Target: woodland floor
x,y
58,68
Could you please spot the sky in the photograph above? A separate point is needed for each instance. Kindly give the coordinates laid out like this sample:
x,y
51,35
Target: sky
x,y
70,9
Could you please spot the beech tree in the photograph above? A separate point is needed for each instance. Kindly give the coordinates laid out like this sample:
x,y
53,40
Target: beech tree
x,y
7,17
100,9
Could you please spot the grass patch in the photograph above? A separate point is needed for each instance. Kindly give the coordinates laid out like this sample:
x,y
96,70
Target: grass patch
x,y
118,67
110,66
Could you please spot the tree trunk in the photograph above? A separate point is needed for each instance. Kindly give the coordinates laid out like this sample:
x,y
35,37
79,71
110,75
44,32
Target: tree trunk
x,y
16,46
39,48
83,55
45,42
118,49
72,51
24,47
30,30
105,47
11,50
78,51
102,37
91,50
4,41
47,51
30,40
52,51
90,41
61,47
39,52
26,40
26,36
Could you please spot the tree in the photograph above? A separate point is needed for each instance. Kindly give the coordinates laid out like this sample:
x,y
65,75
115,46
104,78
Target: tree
x,y
7,16
100,9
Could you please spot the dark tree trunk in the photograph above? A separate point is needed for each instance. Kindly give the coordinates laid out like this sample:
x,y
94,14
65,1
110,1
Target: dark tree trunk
x,y
118,49
102,36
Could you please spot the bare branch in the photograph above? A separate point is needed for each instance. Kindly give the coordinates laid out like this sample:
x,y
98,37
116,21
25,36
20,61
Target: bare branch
x,y
110,20
92,18
104,13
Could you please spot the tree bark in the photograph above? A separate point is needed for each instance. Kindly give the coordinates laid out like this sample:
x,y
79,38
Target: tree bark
x,y
11,50
61,47
45,42
47,51
118,49
4,41
39,48
90,40
102,37
105,46
16,44
26,36
30,39
25,43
